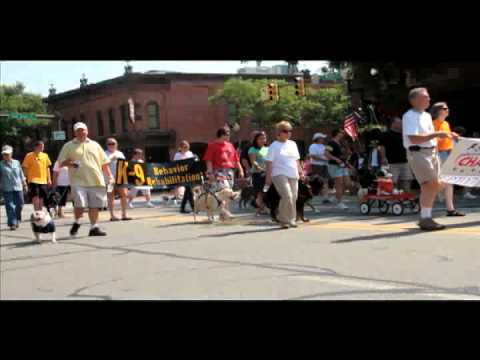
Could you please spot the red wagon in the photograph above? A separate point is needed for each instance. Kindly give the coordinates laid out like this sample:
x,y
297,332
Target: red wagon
x,y
397,202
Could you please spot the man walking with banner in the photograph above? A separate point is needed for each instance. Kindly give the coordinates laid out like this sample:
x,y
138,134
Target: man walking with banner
x,y
420,140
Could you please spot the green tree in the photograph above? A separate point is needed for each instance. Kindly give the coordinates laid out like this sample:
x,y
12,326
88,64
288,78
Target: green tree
x,y
13,98
247,99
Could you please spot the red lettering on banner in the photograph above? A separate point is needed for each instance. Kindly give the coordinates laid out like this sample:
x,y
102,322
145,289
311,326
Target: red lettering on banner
x,y
468,160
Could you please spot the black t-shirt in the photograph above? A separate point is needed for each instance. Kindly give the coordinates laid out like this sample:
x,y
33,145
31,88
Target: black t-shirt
x,y
394,150
244,155
335,150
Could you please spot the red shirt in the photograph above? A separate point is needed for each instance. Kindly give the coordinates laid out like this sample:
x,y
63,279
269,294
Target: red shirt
x,y
222,155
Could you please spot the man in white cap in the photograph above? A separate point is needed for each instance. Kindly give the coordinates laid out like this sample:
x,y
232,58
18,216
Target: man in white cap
x,y
319,162
13,182
87,165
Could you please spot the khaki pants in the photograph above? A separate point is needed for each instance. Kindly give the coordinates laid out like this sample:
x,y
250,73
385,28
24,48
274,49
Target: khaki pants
x,y
287,188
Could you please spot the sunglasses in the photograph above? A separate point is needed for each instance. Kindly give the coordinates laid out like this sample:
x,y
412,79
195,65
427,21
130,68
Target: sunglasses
x,y
444,108
287,131
111,144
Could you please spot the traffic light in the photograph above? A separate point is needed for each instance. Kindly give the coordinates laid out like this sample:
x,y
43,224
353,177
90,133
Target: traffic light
x,y
272,92
299,86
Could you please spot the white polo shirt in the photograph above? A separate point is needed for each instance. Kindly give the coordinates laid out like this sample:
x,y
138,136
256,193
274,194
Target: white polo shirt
x,y
417,123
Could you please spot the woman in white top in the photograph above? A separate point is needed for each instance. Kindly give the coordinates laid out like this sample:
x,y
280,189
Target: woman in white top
x,y
284,170
183,154
61,182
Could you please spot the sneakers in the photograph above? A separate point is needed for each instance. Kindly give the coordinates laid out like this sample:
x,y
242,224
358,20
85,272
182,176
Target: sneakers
x,y
342,206
149,205
96,232
429,224
468,195
293,224
74,229
130,205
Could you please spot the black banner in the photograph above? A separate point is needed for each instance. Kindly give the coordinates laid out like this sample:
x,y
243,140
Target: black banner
x,y
158,175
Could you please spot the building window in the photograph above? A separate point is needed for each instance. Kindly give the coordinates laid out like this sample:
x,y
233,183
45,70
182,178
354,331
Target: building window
x,y
111,121
74,121
100,129
138,115
124,114
232,112
153,115
82,119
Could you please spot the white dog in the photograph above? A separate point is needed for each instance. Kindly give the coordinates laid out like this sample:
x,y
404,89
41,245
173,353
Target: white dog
x,y
42,223
212,201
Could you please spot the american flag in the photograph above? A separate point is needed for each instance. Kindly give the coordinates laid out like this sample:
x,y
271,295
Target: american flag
x,y
131,110
350,126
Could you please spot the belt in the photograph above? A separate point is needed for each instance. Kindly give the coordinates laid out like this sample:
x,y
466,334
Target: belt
x,y
419,148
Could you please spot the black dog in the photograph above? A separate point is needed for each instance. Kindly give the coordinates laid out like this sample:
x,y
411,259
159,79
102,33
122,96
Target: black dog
x,y
51,202
247,194
306,191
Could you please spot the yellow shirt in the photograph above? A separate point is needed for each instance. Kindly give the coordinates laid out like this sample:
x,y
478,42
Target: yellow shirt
x,y
36,167
446,143
91,158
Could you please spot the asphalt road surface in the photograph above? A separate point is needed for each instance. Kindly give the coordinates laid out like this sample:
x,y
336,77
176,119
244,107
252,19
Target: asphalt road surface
x,y
161,254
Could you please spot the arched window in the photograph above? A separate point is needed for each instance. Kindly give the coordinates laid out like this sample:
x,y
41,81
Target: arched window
x,y
100,128
111,121
153,115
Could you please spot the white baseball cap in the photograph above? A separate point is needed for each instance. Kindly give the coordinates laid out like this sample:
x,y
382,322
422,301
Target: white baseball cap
x,y
319,136
79,125
7,149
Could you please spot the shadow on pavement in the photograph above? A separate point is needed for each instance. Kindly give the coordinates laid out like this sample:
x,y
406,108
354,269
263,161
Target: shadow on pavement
x,y
244,232
382,236
407,233
44,242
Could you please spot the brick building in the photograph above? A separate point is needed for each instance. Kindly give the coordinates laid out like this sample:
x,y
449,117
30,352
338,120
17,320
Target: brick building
x,y
169,107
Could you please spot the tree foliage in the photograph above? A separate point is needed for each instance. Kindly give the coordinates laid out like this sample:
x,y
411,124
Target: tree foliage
x,y
13,98
247,99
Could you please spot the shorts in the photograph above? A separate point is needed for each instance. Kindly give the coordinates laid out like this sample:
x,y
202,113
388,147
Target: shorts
x,y
63,191
401,172
258,181
228,173
424,164
113,188
89,197
40,190
133,192
337,171
443,155
321,170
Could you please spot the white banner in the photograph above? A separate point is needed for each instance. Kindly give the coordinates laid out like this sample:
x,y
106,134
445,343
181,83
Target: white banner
x,y
463,165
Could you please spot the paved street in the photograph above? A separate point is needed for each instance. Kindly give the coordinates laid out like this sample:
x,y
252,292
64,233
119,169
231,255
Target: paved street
x,y
162,255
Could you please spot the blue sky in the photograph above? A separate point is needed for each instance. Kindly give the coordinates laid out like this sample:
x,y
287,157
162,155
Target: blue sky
x,y
65,75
